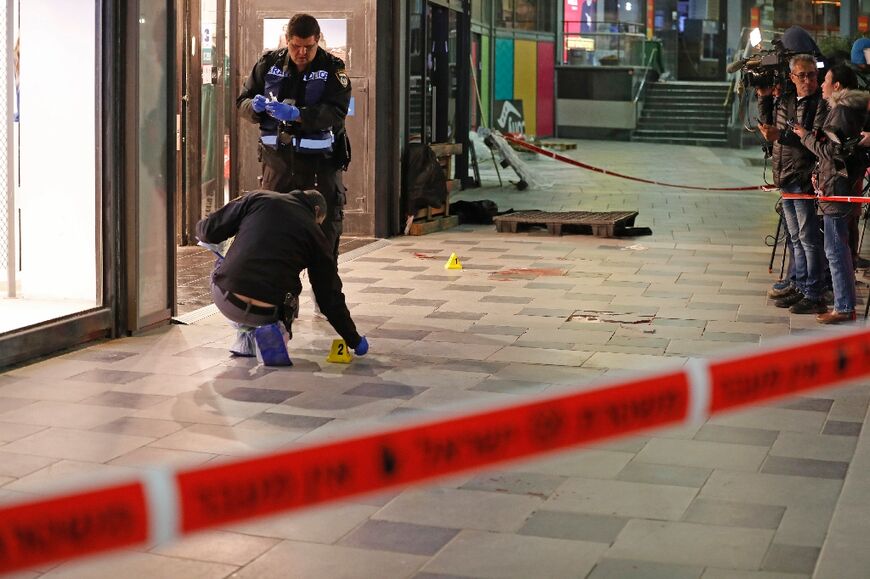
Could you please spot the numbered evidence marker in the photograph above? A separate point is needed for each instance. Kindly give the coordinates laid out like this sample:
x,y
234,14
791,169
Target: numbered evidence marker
x,y
339,353
453,262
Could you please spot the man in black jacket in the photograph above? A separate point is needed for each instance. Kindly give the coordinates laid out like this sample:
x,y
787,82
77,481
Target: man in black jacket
x,y
276,237
793,165
299,96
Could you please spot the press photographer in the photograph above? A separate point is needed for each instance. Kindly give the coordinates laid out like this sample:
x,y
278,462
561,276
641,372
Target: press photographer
x,y
795,104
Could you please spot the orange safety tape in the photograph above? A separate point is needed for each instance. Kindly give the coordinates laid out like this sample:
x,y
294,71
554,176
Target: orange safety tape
x,y
576,163
69,525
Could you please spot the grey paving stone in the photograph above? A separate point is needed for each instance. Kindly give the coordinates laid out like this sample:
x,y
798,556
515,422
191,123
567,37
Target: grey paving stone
x,y
288,421
108,376
753,319
359,280
497,330
414,335
633,284
679,322
399,537
543,285
478,367
736,435
457,315
677,295
638,341
573,526
385,390
264,395
510,386
791,558
734,514
813,404
103,356
519,483
506,299
711,306
469,288
440,576
628,569
125,400
546,312
543,345
727,272
665,474
730,337
236,372
431,277
416,302
809,467
841,428
405,268
370,259
690,280
141,427
374,289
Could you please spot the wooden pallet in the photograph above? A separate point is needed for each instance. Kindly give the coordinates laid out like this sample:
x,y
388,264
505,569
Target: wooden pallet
x,y
558,145
432,225
599,223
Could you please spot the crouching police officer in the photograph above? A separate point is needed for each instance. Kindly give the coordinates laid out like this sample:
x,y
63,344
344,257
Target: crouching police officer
x,y
257,283
299,96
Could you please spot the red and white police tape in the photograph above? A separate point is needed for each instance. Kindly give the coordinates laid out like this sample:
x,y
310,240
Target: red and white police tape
x,y
570,161
834,198
164,504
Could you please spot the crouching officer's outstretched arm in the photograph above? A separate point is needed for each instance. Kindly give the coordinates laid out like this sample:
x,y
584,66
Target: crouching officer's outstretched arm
x,y
323,273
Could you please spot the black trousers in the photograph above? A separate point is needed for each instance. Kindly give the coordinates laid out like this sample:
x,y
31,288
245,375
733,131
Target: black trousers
x,y
285,171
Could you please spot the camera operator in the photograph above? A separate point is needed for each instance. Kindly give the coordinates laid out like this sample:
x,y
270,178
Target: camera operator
x,y
841,167
793,165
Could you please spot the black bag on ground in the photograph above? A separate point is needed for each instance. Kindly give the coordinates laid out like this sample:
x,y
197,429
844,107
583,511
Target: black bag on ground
x,y
427,185
480,212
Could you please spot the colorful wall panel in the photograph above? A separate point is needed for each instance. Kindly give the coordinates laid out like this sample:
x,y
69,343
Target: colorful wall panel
x,y
504,69
485,86
546,89
525,81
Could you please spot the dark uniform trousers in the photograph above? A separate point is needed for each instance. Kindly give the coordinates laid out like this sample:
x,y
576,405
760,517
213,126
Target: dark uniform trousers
x,y
284,171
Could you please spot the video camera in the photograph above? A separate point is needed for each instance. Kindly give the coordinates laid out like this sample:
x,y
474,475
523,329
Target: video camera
x,y
767,68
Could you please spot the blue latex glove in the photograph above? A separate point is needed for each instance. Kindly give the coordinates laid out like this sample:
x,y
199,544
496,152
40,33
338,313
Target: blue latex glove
x,y
258,103
282,111
362,347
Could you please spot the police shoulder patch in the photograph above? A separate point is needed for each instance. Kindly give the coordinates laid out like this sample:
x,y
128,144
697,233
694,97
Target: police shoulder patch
x,y
342,78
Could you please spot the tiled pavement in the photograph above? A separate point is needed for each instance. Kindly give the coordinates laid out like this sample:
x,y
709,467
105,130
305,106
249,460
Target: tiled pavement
x,y
774,492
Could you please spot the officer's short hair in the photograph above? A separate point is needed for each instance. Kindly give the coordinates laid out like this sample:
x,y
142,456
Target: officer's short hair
x,y
317,200
303,26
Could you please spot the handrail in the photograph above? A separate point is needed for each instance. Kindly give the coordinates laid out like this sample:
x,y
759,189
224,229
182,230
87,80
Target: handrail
x,y
646,67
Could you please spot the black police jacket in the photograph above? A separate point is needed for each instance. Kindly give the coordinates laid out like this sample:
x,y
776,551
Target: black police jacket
x,y
276,237
317,112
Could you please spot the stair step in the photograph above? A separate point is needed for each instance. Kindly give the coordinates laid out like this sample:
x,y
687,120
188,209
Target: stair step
x,y
679,134
684,141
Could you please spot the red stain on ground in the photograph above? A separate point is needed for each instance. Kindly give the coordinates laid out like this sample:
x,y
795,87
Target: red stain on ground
x,y
424,256
524,273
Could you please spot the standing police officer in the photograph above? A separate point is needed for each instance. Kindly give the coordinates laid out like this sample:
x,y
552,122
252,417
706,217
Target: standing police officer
x,y
299,96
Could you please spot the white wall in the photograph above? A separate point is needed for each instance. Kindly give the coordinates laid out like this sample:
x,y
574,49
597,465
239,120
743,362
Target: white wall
x,y
58,196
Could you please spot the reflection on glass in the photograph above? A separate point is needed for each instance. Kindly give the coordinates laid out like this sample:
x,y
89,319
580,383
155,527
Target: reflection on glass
x,y
153,159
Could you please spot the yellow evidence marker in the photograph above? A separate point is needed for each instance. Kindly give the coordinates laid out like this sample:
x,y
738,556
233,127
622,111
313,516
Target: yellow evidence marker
x,y
339,353
453,262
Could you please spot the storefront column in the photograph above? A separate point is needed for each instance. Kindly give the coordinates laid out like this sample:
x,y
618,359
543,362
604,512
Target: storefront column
x,y
848,18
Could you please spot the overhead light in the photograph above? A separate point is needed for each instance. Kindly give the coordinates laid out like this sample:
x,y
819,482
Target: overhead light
x,y
628,6
831,2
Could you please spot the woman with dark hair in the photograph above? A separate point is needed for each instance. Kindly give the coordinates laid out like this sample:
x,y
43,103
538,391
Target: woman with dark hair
x,y
838,171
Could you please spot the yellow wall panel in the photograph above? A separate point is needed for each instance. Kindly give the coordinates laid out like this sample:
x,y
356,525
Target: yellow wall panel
x,y
526,81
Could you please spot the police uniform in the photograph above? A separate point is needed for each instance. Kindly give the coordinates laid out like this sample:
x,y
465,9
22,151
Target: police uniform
x,y
312,152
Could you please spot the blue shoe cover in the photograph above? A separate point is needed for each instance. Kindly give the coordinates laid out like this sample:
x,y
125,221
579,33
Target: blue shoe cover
x,y
271,341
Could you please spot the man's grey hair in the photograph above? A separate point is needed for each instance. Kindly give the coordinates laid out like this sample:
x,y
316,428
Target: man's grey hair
x,y
317,200
808,58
